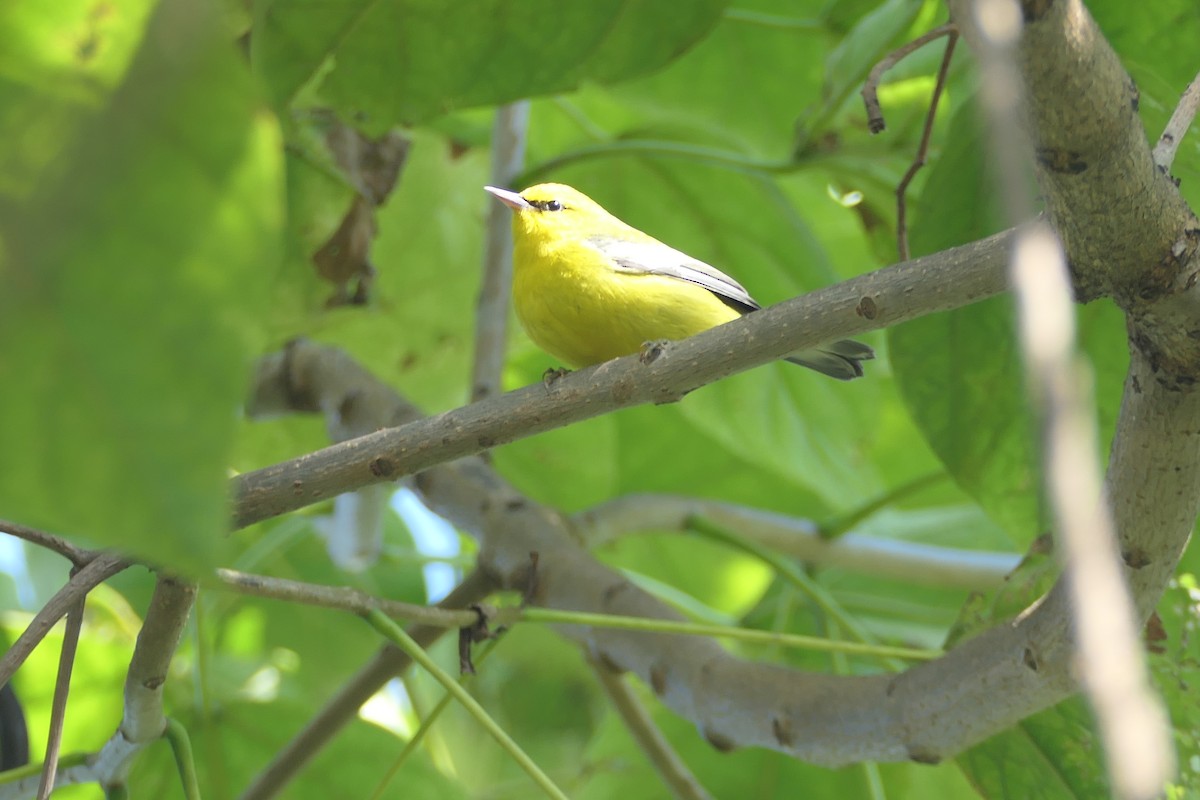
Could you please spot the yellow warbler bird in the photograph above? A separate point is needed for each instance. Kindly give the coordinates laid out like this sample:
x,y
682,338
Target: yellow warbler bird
x,y
589,288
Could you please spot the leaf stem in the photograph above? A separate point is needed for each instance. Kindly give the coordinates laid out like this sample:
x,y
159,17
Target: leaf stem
x,y
181,746
401,639
554,616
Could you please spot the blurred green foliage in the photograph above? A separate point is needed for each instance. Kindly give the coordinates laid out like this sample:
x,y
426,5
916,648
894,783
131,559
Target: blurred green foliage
x,y
163,191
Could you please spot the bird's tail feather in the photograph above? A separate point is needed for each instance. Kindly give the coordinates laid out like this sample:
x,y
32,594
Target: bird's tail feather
x,y
841,359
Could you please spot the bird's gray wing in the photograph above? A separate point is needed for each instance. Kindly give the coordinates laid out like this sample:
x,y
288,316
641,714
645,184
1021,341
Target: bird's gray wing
x,y
840,359
656,258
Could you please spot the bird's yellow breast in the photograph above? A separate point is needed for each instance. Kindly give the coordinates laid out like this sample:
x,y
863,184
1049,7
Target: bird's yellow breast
x,y
576,306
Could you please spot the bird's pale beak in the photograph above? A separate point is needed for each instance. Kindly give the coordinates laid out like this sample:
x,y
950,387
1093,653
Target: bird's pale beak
x,y
510,199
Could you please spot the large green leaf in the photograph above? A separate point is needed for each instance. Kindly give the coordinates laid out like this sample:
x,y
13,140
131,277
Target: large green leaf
x,y
1158,50
1175,662
128,289
1053,755
232,748
383,62
865,44
960,372
60,62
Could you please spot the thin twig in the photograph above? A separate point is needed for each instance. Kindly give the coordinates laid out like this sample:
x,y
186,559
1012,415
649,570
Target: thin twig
x,y
62,689
1177,125
870,90
491,312
77,555
923,148
344,598
670,767
794,575
181,747
100,569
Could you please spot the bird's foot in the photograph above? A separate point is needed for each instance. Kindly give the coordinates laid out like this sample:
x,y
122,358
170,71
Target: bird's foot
x,y
650,351
553,374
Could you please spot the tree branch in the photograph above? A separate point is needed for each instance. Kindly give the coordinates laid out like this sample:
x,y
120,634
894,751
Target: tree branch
x,y
950,279
144,720
343,598
667,763
509,132
798,538
1111,665
62,689
1127,231
78,556
1091,148
100,569
1177,126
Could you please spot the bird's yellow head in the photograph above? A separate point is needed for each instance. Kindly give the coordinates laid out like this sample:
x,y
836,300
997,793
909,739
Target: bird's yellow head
x,y
554,210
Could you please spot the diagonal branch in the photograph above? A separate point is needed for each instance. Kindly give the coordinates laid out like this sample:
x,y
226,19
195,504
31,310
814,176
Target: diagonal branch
x,y
1177,126
62,689
144,719
100,569
950,279
75,554
670,767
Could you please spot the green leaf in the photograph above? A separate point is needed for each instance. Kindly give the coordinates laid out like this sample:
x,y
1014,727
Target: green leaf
x,y
60,63
128,292
865,44
1053,755
385,62
1175,663
960,372
1159,51
233,748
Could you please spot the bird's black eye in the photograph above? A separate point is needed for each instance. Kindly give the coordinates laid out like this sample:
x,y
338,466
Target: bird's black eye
x,y
547,205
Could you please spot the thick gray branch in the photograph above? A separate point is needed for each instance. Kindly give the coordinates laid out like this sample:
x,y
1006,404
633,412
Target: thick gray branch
x,y
930,712
1126,229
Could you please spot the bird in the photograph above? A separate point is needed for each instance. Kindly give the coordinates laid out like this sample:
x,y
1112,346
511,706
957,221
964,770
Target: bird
x,y
589,288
